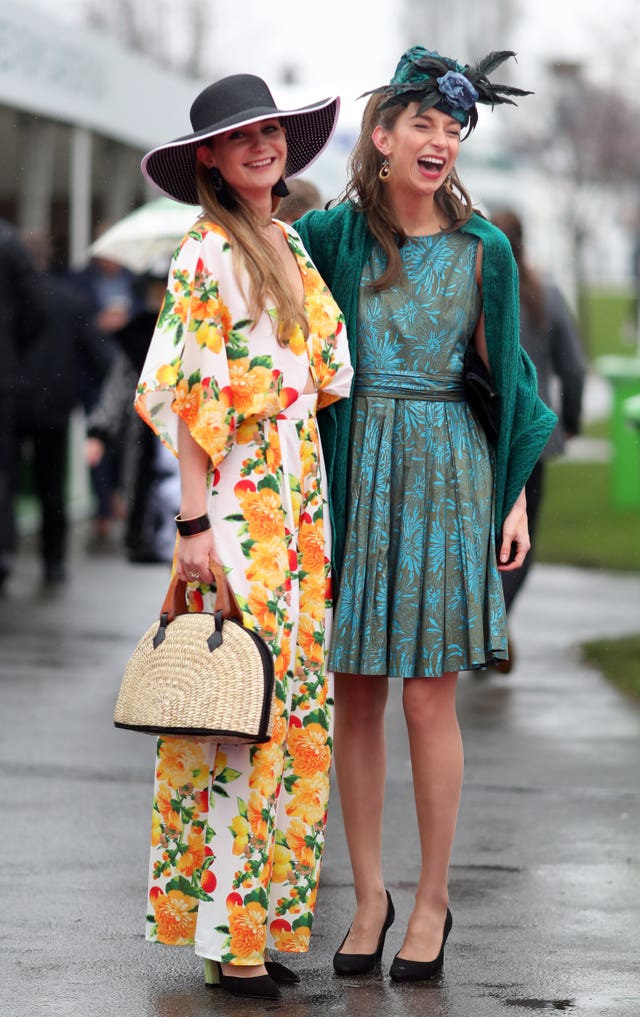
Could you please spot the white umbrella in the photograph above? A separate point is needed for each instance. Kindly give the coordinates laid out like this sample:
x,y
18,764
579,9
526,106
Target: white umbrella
x,y
144,240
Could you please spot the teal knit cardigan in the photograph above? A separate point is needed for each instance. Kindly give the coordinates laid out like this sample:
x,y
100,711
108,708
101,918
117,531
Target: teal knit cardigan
x,y
339,243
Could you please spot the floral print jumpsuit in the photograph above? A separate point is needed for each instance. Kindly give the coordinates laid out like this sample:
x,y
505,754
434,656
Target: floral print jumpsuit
x,y
238,831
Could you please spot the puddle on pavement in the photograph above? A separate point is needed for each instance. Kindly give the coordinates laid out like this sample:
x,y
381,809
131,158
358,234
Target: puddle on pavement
x,y
541,1004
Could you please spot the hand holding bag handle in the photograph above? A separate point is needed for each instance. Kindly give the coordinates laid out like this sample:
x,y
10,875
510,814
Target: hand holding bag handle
x,y
175,602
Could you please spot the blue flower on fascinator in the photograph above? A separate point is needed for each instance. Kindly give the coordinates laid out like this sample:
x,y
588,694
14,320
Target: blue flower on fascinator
x,y
457,89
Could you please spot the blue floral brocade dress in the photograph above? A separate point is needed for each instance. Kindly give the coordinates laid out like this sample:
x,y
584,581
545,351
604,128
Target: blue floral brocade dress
x,y
420,592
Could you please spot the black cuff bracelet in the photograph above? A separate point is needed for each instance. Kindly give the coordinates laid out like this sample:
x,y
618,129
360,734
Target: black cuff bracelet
x,y
189,527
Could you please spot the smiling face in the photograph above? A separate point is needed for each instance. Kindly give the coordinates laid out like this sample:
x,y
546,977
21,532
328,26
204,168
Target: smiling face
x,y
421,148
250,158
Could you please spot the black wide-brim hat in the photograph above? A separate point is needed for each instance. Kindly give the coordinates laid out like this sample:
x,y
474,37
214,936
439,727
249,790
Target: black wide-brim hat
x,y
235,101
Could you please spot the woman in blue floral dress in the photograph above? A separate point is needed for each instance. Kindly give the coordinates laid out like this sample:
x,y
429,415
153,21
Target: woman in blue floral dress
x,y
425,511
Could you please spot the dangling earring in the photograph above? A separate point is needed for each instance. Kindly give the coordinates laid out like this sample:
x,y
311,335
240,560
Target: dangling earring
x,y
448,185
280,189
385,170
216,179
223,194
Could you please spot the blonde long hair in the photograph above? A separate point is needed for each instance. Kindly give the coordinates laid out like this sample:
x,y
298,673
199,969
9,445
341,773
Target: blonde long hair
x,y
369,193
252,256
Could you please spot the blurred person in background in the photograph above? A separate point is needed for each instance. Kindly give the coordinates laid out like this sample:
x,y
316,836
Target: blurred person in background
x,y
635,282
248,344
18,326
48,390
302,197
549,334
111,291
425,513
150,476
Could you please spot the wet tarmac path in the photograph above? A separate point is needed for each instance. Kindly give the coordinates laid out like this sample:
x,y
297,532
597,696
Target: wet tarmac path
x,y
545,880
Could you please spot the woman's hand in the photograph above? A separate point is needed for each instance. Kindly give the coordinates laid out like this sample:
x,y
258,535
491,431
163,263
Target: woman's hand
x,y
194,553
193,557
515,536
94,450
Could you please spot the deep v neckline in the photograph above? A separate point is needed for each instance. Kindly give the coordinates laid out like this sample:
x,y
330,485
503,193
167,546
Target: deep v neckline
x,y
296,260
310,387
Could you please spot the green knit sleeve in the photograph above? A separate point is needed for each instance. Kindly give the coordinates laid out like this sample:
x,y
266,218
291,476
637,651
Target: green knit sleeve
x,y
319,241
528,422
533,423
525,421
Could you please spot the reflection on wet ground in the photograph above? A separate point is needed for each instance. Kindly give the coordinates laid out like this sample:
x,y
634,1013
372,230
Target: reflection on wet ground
x,y
368,997
544,875
541,1004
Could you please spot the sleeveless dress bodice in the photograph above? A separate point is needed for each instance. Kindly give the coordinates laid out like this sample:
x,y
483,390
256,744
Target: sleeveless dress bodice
x,y
420,593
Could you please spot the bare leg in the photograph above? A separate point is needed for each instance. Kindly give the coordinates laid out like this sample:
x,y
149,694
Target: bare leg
x,y
360,758
437,764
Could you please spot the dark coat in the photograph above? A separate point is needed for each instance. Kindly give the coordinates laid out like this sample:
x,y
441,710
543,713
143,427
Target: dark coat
x,y
66,342
113,420
555,346
18,318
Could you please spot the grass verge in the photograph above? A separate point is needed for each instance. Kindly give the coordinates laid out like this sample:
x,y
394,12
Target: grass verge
x,y
609,321
580,527
578,524
619,661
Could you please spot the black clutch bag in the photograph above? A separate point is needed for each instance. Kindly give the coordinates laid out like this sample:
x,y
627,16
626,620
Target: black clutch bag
x,y
482,394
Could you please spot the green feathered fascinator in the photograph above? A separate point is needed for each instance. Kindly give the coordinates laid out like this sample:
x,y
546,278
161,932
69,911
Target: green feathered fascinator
x,y
438,82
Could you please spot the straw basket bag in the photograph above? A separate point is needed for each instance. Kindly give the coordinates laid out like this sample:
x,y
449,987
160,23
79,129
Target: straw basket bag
x,y
199,674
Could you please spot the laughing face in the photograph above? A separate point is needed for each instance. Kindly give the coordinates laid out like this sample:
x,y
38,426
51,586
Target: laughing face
x,y
422,149
250,158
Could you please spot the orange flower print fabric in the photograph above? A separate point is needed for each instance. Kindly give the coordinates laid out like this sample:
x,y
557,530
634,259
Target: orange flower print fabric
x,y
238,831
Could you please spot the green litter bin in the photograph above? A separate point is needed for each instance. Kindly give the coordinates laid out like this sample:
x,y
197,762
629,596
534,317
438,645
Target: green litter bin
x,y
623,374
631,410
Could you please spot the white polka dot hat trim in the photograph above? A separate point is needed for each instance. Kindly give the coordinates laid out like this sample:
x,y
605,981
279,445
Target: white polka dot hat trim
x,y
235,101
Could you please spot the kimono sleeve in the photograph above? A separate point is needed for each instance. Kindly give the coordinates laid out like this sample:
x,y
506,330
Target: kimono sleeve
x,y
335,373
328,344
186,373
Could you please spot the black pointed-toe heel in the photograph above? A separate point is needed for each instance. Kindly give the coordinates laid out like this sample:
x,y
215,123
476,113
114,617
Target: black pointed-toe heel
x,y
402,970
259,987
281,974
363,963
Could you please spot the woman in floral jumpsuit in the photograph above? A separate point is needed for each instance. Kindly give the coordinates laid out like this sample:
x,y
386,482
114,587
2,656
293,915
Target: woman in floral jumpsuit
x,y
232,386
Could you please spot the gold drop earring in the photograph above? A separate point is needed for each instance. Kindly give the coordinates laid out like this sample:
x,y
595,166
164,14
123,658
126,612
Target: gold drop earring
x,y
385,170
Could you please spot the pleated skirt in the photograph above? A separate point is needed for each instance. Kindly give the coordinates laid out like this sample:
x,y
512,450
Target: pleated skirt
x,y
420,593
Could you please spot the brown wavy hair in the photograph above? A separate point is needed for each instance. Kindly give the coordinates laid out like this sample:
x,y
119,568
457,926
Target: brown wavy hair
x,y
368,192
531,288
227,209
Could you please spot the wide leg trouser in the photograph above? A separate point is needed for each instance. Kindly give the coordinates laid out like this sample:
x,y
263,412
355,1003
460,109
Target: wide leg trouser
x,y
238,831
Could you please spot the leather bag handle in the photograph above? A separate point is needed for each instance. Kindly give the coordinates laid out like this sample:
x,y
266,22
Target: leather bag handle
x,y
175,602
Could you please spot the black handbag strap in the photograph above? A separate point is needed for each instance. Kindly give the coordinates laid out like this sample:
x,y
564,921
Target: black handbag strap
x,y
175,602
